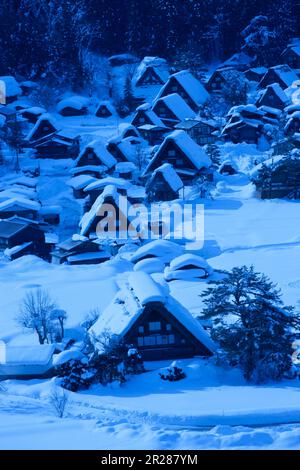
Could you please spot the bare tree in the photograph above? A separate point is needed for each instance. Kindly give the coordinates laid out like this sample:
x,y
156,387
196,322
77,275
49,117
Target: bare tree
x,y
59,399
60,316
35,314
91,318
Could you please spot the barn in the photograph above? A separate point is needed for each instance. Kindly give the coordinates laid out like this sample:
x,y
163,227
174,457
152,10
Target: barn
x,y
145,115
144,314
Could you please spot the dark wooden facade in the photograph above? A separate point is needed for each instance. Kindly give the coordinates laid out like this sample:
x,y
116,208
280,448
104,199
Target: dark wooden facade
x,y
14,234
202,132
43,129
271,98
157,189
158,335
103,111
153,134
273,76
242,132
169,152
149,77
173,86
291,56
284,181
167,116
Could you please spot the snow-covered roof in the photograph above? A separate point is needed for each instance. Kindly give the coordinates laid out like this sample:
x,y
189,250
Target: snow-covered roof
x,y
270,110
159,65
129,303
9,252
239,58
35,110
68,355
194,89
270,162
81,181
276,88
9,228
119,183
12,87
258,70
109,191
152,116
122,129
136,192
28,355
190,259
75,102
107,104
125,167
163,249
109,180
189,147
19,202
98,255
170,176
44,117
101,153
176,104
100,169
293,47
250,108
285,73
190,123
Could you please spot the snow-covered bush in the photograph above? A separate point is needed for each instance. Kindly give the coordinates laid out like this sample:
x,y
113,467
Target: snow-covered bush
x,y
76,374
173,374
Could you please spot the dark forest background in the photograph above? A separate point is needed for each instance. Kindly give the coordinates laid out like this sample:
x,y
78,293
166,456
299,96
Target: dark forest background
x,y
41,37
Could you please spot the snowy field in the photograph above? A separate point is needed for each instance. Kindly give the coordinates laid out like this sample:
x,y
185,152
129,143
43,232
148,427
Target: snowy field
x,y
211,408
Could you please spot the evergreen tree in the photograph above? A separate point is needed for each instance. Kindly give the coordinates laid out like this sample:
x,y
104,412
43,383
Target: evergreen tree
x,y
214,154
252,327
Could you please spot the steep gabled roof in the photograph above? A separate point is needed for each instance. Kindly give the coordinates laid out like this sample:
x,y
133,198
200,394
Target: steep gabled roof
x,y
193,88
176,104
129,304
169,175
159,66
101,152
188,146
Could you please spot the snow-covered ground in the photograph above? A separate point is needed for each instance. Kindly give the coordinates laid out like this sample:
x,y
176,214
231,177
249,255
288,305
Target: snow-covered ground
x,y
211,408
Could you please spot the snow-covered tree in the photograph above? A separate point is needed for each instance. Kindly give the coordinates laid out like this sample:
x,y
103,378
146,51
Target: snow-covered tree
x,y
214,154
251,324
36,314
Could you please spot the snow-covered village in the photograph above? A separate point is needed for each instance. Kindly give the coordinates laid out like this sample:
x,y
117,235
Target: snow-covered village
x,y
149,225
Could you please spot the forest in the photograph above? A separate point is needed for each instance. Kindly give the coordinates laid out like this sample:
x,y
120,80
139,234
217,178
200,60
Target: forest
x,y
42,37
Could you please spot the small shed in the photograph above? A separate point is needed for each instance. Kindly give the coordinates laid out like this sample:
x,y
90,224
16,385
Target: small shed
x,y
26,362
106,109
73,106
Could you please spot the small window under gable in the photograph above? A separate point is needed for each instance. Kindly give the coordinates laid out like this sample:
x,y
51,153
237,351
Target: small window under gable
x,y
171,153
141,329
154,326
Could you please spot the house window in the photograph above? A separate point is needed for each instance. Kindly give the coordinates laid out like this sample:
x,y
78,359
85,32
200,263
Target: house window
x,y
179,161
171,339
141,329
142,119
169,327
171,153
160,339
154,326
140,341
174,88
149,341
90,156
